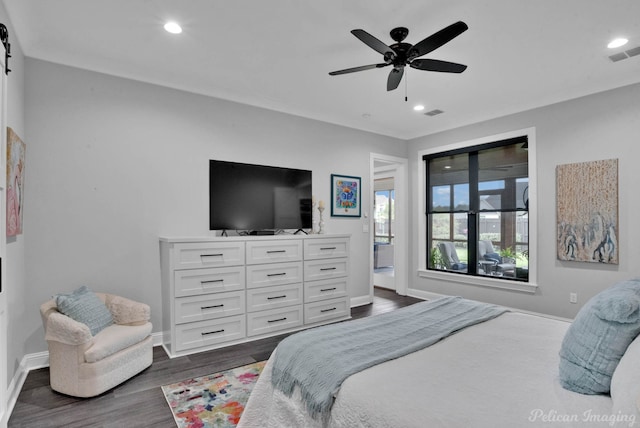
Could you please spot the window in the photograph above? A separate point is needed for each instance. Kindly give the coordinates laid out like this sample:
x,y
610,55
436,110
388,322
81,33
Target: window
x,y
384,216
478,210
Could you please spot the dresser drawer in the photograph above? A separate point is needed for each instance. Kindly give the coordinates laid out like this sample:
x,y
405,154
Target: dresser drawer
x,y
325,269
273,320
274,251
273,274
210,332
217,305
192,282
326,310
326,248
208,254
315,291
260,299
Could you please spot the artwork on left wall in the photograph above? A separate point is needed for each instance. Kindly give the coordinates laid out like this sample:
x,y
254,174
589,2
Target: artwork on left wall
x,y
345,195
587,211
15,182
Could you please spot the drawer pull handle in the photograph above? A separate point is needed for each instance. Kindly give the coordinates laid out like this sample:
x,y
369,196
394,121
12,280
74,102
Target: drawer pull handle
x,y
212,332
276,251
212,255
327,248
279,319
328,289
277,297
212,306
211,280
330,268
277,274
328,310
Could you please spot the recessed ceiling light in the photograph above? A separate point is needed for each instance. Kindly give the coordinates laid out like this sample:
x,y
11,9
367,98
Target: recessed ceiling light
x,y
616,43
173,27
419,107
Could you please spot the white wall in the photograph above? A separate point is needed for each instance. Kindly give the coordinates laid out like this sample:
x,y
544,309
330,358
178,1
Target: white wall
x,y
14,287
600,126
115,163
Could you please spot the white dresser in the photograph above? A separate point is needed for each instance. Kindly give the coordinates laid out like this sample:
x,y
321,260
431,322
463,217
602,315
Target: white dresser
x,y
227,290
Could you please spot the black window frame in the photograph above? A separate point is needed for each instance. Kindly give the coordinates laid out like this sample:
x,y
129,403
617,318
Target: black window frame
x,y
473,212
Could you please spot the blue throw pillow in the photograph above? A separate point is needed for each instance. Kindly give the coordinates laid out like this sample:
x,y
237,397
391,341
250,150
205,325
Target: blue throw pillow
x,y
599,337
492,256
84,306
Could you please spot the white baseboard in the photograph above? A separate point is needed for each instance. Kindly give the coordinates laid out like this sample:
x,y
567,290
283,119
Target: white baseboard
x,y
421,294
36,361
428,295
157,338
29,362
361,301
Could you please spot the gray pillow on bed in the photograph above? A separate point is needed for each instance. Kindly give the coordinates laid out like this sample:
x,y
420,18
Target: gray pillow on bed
x,y
598,337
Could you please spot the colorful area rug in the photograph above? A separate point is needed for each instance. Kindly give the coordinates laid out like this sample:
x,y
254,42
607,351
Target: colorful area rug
x,y
216,400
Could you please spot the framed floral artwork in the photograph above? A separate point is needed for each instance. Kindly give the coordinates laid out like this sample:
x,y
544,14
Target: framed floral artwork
x,y
345,196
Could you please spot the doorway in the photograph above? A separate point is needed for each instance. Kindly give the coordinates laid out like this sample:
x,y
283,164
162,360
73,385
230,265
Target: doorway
x,y
384,227
388,223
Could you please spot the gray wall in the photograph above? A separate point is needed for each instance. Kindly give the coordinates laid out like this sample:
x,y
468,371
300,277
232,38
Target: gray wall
x,y
600,126
14,289
113,164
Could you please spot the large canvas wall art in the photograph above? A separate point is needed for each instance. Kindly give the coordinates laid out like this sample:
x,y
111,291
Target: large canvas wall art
x,y
587,211
15,182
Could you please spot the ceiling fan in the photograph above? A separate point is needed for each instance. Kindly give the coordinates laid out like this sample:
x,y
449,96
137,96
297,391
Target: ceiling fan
x,y
401,54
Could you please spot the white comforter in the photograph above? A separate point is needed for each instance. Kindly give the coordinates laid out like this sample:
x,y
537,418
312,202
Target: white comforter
x,y
501,373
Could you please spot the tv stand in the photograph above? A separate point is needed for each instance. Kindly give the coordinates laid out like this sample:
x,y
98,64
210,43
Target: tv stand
x,y
262,232
300,230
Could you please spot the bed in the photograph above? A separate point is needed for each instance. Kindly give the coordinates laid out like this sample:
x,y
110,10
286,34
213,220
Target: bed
x,y
502,372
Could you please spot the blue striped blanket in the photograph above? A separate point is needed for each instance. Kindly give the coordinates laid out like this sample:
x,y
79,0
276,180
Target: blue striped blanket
x,y
318,360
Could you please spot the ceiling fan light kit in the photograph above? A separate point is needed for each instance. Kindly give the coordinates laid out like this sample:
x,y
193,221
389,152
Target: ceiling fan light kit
x,y
401,54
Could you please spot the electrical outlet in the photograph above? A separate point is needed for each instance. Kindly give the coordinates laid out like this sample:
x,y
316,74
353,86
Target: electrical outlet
x,y
573,297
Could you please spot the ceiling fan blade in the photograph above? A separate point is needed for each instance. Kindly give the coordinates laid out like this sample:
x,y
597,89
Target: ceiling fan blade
x,y
395,76
438,39
437,65
361,68
373,43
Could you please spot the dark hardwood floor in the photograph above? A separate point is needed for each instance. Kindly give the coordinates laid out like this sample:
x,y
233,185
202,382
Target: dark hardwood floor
x,y
139,402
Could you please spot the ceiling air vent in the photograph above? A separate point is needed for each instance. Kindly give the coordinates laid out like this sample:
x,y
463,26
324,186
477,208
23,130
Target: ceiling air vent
x,y
626,54
434,112
633,52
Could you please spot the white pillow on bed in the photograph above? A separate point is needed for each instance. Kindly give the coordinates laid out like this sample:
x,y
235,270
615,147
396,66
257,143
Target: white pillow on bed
x,y
625,382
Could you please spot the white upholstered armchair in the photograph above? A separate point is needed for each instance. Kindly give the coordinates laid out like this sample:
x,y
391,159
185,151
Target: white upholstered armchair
x,y
85,365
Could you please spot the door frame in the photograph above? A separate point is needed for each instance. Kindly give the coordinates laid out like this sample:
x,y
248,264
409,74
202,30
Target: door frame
x,y
400,168
4,308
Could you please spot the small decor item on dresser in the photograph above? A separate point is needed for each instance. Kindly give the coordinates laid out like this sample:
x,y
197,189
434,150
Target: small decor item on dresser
x,y
314,218
345,195
321,223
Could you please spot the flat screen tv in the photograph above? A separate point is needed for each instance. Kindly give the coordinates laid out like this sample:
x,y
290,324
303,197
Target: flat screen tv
x,y
248,197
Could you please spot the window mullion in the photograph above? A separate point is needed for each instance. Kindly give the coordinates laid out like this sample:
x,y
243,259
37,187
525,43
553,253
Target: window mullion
x,y
472,217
